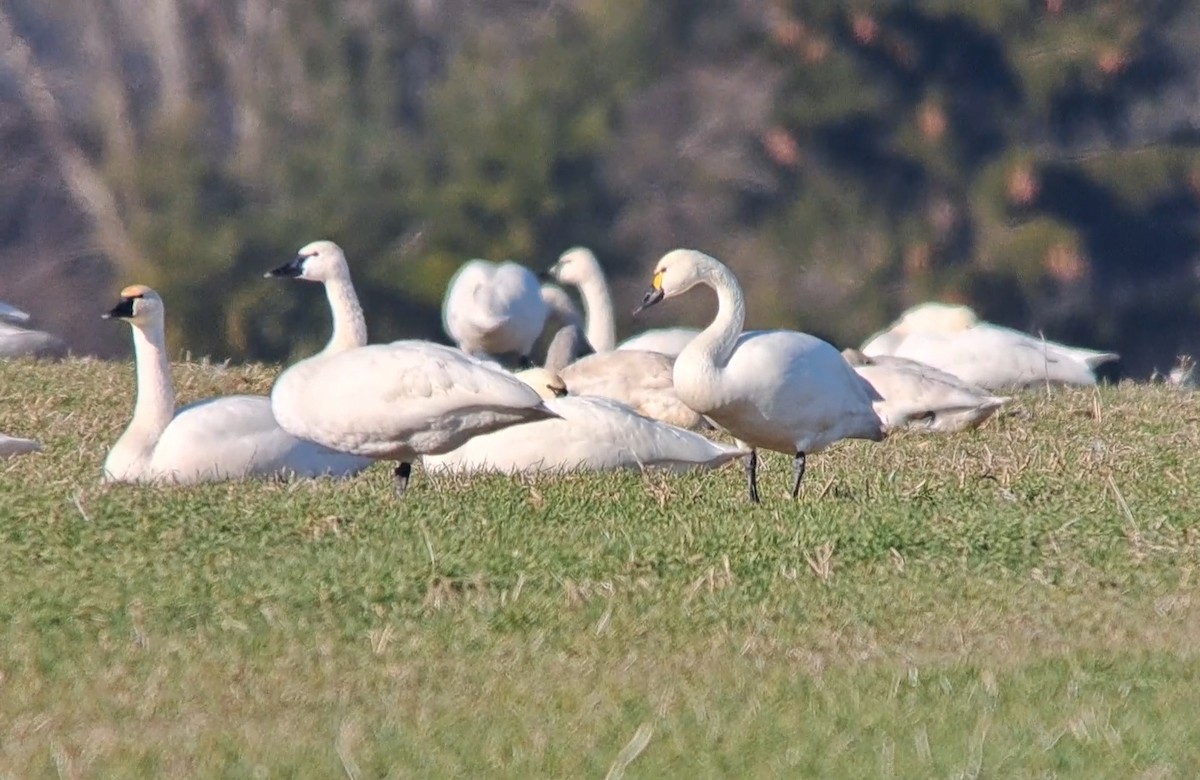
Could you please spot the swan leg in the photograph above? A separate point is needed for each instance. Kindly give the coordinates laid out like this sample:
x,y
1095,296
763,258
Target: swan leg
x,y
752,475
403,472
797,473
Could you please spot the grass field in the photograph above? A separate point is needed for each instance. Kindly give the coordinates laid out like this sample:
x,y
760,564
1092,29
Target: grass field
x,y
1019,601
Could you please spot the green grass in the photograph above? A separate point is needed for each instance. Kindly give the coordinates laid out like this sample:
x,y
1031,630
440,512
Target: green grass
x,y
1018,601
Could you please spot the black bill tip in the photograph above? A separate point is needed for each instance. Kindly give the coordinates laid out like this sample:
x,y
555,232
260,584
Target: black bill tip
x,y
289,270
649,299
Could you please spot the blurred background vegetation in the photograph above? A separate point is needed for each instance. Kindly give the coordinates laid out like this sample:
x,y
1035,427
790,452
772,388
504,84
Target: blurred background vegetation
x,y
1035,158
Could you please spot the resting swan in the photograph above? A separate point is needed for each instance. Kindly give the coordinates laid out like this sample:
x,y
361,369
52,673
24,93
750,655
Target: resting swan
x,y
642,380
914,395
232,437
952,338
392,401
494,309
593,434
580,268
18,341
777,389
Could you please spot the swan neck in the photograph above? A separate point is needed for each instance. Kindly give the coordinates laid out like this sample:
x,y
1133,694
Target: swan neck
x,y
597,304
349,326
716,342
155,404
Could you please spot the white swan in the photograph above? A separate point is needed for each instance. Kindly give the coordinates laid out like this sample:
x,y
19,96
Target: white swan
x,y
914,395
777,389
220,438
593,434
12,445
953,339
17,341
494,309
580,268
642,380
389,401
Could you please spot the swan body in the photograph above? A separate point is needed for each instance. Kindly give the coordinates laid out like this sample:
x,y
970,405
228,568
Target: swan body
x,y
392,401
590,434
921,397
779,390
665,341
561,315
494,309
644,381
232,437
953,339
12,445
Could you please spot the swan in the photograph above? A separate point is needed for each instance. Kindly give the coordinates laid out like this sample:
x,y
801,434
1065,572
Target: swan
x,y
494,309
12,445
776,389
642,380
593,434
561,315
232,437
392,401
952,338
580,268
17,341
914,395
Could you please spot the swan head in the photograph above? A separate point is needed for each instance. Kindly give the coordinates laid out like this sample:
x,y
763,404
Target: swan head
x,y
139,305
547,384
319,261
677,272
575,267
936,318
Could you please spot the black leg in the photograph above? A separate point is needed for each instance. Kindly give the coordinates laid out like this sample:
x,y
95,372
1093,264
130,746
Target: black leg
x,y
797,473
752,475
403,472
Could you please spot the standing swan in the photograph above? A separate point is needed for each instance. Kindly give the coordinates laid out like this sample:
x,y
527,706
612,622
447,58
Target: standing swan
x,y
220,438
778,389
580,268
494,309
389,401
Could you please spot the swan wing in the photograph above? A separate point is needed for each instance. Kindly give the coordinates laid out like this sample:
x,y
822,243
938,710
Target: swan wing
x,y
591,434
386,400
994,358
922,396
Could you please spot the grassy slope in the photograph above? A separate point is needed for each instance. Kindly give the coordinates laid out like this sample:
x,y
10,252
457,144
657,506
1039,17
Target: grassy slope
x,y
983,605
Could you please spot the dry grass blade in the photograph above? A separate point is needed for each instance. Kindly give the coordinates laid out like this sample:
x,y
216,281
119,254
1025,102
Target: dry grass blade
x,y
632,749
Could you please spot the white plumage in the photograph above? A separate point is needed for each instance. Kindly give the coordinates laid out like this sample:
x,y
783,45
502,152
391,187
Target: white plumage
x,y
494,309
580,268
233,437
394,401
642,380
779,390
592,434
921,397
18,341
953,339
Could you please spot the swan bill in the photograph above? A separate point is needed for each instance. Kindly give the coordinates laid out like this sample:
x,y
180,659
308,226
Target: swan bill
x,y
289,270
649,299
123,310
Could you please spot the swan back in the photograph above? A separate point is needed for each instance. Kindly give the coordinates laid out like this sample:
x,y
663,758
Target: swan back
x,y
592,434
919,396
643,380
399,400
665,341
494,309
